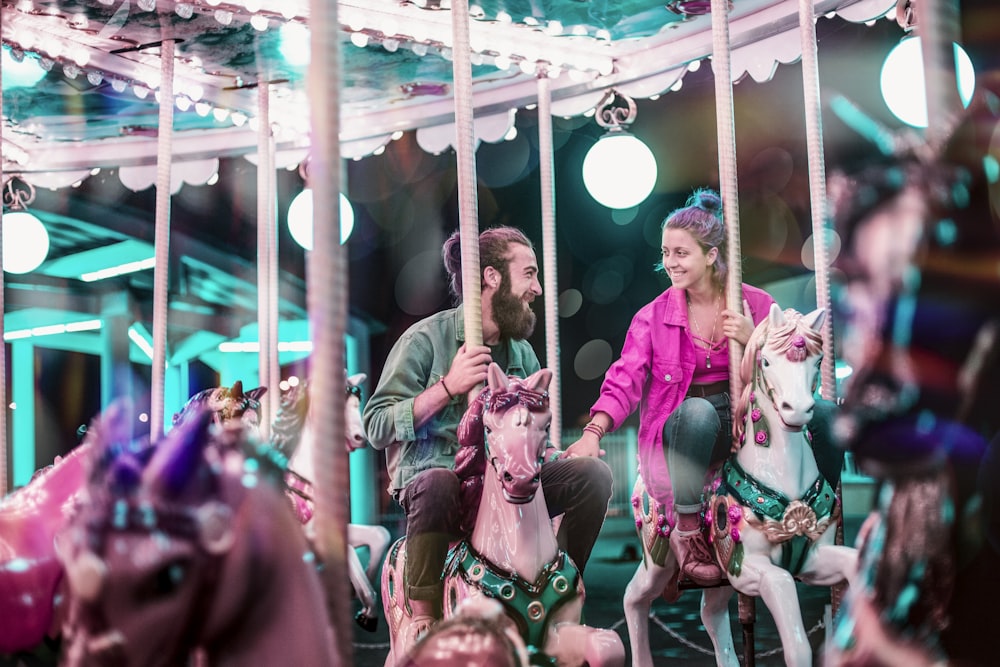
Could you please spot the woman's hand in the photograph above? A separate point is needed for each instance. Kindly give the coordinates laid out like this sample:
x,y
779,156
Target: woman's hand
x,y
587,445
738,326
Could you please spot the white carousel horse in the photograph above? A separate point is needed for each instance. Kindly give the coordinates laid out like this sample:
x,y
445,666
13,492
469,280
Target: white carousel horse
x,y
292,434
771,515
189,545
512,555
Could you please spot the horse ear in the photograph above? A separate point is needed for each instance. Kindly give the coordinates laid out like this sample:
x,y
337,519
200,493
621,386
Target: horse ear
x,y
179,455
496,379
539,380
237,389
356,379
256,393
775,316
815,319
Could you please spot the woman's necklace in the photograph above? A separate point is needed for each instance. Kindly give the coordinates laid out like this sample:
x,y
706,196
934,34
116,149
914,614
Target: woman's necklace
x,y
697,330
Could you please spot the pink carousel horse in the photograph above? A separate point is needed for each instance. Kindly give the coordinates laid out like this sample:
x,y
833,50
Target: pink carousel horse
x,y
771,516
512,555
196,548
32,590
292,434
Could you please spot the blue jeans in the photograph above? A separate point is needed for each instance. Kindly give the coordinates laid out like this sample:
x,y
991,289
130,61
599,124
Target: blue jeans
x,y
699,435
579,488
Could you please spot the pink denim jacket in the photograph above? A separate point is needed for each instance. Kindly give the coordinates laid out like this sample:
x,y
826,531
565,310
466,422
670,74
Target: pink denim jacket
x,y
654,372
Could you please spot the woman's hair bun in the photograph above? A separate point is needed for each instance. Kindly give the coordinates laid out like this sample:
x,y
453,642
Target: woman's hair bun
x,y
707,199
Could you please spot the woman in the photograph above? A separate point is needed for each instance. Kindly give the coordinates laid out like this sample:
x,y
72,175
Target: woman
x,y
674,366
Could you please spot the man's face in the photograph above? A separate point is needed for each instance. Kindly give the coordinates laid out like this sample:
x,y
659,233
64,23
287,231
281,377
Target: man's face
x,y
518,288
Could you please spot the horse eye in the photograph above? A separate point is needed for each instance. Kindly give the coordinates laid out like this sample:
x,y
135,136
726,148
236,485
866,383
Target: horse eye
x,y
164,582
764,362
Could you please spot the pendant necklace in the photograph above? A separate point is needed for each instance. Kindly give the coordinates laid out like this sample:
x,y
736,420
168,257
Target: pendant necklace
x,y
697,331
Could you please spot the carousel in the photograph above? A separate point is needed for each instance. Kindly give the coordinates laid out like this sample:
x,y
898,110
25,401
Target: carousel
x,y
197,247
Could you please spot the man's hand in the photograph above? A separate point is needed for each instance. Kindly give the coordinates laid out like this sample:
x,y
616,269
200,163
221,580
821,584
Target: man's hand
x,y
468,369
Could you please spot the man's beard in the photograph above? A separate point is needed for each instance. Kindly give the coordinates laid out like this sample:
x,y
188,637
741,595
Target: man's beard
x,y
512,315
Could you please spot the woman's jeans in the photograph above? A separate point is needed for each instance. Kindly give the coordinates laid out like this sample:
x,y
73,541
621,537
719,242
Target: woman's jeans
x,y
699,435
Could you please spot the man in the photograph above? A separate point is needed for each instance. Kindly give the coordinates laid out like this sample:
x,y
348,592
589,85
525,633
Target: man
x,y
415,410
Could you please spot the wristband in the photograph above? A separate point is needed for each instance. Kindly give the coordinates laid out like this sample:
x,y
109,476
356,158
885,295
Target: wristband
x,y
595,428
450,395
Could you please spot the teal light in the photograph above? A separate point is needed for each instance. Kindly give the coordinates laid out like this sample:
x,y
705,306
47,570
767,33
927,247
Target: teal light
x,y
619,171
300,219
903,86
20,74
25,242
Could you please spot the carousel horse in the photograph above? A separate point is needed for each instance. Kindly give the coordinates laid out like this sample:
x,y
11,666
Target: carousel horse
x,y
292,434
770,515
511,555
189,545
32,590
921,339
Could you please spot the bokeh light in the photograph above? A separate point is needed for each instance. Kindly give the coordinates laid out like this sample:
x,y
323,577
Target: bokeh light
x,y
903,86
570,302
300,218
25,242
619,171
832,249
592,359
23,74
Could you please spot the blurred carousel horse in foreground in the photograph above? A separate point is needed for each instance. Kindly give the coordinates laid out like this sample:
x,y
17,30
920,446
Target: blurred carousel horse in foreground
x,y
32,590
920,333
771,515
541,590
292,434
188,545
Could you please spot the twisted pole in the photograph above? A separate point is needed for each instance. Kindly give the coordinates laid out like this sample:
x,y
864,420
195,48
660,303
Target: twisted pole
x,y
546,168
326,298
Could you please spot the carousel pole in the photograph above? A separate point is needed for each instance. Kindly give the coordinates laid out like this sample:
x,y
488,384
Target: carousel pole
x,y
327,304
267,307
938,29
465,149
817,190
164,158
5,454
726,128
546,167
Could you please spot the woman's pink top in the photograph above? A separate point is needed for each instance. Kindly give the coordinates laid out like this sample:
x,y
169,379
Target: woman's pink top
x,y
654,372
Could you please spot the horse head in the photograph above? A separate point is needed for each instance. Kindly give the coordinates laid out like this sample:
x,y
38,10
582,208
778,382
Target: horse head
x,y
516,420
227,403
146,556
780,371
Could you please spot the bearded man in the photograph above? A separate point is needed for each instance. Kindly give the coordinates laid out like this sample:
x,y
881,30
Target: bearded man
x,y
421,396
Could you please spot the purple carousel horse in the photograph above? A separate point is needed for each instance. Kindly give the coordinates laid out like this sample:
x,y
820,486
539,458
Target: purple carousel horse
x,y
194,549
512,555
32,590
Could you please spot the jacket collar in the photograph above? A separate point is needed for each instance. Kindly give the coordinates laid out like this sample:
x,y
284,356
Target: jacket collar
x,y
675,307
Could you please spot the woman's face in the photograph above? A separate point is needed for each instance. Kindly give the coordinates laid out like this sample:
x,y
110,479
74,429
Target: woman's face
x,y
684,260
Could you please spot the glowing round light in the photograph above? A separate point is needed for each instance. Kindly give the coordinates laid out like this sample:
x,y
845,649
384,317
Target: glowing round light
x,y
20,74
25,242
619,171
903,86
300,219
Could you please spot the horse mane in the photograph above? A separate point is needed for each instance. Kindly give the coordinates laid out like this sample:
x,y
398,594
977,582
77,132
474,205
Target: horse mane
x,y
470,459
226,402
783,342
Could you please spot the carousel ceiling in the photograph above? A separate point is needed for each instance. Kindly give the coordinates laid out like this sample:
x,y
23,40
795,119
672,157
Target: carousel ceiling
x,y
97,102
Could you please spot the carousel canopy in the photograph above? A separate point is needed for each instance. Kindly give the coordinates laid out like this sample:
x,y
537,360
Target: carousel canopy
x,y
99,62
